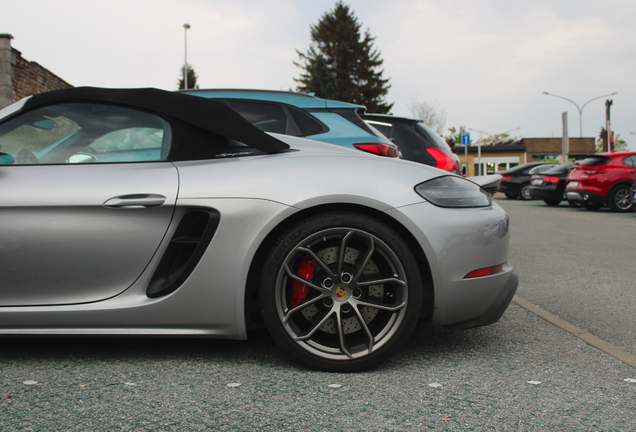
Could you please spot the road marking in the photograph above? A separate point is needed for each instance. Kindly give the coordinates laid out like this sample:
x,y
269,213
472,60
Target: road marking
x,y
585,336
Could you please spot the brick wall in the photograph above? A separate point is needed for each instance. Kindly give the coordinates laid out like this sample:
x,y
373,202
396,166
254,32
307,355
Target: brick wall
x,y
30,78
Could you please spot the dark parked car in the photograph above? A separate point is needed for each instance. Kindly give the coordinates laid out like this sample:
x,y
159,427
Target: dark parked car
x,y
515,181
416,141
550,185
604,178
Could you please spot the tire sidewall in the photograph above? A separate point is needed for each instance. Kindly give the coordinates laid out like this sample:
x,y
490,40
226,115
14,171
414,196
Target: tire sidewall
x,y
612,198
289,240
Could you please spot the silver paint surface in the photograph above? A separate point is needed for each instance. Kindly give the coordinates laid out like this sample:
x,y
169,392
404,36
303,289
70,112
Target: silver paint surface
x,y
106,256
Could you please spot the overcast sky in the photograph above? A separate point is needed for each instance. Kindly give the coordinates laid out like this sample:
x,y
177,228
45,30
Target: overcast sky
x,y
486,61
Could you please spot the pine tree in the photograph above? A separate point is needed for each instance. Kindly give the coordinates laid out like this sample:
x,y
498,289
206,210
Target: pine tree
x,y
321,81
192,79
350,59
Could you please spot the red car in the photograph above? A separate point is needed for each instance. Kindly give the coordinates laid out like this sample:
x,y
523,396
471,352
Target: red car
x,y
603,178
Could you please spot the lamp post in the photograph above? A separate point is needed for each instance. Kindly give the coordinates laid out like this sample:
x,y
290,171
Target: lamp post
x,y
493,138
186,26
579,108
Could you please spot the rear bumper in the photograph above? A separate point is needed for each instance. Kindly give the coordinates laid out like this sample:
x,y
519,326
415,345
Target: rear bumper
x,y
584,197
496,310
545,193
509,188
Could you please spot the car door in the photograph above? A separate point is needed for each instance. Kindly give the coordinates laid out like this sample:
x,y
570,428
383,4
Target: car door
x,y
86,197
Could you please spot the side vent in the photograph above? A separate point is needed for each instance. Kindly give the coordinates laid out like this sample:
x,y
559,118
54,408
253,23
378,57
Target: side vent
x,y
189,242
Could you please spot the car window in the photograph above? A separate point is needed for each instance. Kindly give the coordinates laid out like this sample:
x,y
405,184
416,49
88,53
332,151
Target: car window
x,y
307,124
385,128
83,133
433,137
629,161
560,169
541,168
268,117
595,160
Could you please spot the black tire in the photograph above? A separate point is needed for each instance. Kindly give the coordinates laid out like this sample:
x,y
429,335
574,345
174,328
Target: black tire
x,y
347,323
552,203
524,192
619,200
510,196
577,204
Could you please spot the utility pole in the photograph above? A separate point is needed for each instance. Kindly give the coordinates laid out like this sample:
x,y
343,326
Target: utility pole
x,y
608,147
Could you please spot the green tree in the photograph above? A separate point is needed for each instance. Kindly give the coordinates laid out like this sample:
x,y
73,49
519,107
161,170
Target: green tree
x,y
619,143
192,79
322,82
455,135
350,58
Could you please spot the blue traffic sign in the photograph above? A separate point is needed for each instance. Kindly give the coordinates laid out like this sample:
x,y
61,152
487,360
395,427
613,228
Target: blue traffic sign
x,y
465,138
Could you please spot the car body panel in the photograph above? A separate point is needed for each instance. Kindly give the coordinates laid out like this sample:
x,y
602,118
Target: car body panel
x,y
50,239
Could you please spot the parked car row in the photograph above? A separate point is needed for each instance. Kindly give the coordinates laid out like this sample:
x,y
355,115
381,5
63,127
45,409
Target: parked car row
x,y
598,180
341,123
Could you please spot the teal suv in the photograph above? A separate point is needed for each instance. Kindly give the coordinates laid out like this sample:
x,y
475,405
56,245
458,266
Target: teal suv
x,y
304,115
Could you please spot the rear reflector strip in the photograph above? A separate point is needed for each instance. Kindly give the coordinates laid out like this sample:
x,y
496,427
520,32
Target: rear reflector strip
x,y
488,271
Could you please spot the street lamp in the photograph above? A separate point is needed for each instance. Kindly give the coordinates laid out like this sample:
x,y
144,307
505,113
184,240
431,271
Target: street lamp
x,y
493,139
186,26
581,108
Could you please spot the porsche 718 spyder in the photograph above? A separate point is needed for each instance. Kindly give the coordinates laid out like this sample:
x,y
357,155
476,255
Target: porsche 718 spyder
x,y
144,212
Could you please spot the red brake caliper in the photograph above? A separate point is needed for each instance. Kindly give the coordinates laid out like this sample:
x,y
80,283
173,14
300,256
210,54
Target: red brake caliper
x,y
299,289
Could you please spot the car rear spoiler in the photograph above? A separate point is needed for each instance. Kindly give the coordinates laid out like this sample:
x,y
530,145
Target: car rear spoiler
x,y
490,183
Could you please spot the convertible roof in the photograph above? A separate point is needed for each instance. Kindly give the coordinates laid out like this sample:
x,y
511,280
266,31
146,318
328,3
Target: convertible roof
x,y
212,115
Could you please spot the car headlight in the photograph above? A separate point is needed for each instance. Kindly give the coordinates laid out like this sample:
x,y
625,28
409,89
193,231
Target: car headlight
x,y
451,191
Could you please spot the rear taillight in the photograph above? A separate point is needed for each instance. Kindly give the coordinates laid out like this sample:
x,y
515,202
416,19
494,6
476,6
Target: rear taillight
x,y
443,160
485,271
505,177
380,149
551,179
590,172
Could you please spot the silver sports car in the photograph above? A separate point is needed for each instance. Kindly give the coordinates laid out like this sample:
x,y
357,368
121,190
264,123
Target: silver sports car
x,y
145,212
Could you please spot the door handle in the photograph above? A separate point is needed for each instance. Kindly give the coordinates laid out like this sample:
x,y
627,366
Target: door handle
x,y
136,201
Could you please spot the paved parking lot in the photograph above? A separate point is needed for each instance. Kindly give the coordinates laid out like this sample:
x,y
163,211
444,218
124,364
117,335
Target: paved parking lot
x,y
519,374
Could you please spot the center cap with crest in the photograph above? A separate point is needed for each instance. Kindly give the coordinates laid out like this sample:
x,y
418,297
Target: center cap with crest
x,y
341,293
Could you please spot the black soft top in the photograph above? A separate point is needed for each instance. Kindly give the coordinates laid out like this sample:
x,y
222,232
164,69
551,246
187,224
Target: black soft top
x,y
192,113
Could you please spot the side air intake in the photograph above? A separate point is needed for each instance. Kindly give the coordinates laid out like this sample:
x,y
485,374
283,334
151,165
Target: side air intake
x,y
189,242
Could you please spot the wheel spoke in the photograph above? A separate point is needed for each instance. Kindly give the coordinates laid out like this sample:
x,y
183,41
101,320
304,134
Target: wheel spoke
x,y
318,260
381,306
341,335
381,281
341,254
304,281
365,261
313,330
366,329
289,313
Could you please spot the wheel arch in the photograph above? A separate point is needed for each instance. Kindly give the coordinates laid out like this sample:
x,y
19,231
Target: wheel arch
x,y
252,310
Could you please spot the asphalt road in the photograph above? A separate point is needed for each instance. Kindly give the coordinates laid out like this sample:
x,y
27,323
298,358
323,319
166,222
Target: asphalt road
x,y
579,265
521,374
